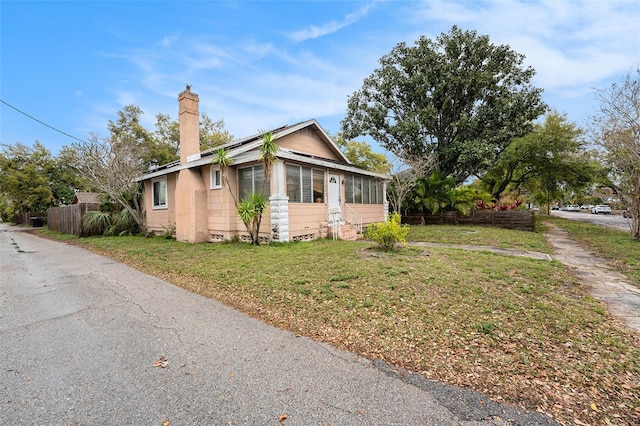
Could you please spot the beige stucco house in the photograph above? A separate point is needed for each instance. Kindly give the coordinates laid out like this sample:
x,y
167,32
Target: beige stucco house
x,y
313,190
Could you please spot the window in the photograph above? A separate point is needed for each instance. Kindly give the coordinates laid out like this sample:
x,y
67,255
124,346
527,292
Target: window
x,y
362,190
252,179
348,188
159,193
357,189
318,186
304,185
294,191
216,178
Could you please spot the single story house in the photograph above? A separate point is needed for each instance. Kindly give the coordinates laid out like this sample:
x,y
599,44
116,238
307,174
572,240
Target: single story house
x,y
313,190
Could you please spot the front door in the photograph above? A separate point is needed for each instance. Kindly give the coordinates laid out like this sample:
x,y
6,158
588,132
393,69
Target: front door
x,y
333,192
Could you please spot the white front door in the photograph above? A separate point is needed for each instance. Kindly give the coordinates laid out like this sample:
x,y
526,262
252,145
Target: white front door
x,y
333,192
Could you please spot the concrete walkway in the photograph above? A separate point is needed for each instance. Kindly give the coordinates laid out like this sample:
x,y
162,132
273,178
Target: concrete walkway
x,y
622,299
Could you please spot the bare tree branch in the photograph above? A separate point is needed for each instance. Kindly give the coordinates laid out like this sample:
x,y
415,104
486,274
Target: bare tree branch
x,y
115,167
616,128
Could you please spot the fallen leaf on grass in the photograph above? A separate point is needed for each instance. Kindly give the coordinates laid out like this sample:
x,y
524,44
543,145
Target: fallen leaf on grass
x,y
161,362
165,423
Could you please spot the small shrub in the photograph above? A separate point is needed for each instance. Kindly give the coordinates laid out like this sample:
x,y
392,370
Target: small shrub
x,y
389,233
168,232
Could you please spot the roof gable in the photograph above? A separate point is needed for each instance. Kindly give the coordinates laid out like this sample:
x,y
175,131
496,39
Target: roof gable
x,y
86,197
307,138
304,142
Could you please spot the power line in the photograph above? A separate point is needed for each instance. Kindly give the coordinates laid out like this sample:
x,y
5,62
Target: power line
x,y
40,121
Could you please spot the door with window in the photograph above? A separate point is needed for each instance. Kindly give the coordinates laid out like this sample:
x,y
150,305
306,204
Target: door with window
x,y
333,193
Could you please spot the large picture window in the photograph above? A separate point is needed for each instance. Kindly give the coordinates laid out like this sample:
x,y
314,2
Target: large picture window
x,y
363,190
252,179
304,185
159,193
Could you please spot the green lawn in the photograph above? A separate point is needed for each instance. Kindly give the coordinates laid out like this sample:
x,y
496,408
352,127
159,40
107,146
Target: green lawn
x,y
481,236
520,330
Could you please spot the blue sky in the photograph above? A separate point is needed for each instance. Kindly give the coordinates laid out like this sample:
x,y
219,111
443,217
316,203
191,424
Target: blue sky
x,y
264,64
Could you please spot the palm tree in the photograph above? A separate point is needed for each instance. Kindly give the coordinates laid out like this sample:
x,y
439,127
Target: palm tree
x,y
268,151
224,160
429,196
250,208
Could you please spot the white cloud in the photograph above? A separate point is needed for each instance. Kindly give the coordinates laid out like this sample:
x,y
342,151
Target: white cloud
x,y
314,31
168,41
570,43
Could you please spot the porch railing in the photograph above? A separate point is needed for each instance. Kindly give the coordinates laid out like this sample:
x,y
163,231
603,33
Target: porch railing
x,y
335,218
353,218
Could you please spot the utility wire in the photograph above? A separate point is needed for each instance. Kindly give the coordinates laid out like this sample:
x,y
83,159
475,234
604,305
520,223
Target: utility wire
x,y
41,122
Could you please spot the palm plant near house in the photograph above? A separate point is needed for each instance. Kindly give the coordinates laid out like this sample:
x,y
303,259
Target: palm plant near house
x,y
250,208
223,160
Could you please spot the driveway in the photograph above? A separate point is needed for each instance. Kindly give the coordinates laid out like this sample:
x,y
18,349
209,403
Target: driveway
x,y
86,340
615,221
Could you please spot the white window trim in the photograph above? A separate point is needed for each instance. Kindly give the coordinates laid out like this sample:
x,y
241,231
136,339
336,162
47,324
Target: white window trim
x,y
212,180
166,195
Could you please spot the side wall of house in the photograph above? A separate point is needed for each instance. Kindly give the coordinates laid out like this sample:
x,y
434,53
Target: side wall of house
x,y
220,209
305,220
160,219
223,220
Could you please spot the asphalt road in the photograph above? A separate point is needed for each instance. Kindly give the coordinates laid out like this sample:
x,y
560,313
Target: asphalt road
x,y
80,337
609,220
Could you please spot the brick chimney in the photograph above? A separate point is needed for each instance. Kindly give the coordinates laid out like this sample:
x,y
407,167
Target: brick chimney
x,y
191,194
189,126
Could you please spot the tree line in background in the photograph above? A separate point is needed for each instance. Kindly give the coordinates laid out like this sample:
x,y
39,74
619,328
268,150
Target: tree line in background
x,y
464,126
32,179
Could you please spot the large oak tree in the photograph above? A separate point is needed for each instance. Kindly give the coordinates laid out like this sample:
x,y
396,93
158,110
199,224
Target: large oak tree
x,y
459,97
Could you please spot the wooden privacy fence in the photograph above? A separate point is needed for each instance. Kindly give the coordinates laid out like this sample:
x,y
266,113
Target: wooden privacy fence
x,y
523,220
68,219
28,218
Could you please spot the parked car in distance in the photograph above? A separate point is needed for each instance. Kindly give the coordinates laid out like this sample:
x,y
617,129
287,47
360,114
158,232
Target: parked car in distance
x,y
555,207
573,208
587,207
601,209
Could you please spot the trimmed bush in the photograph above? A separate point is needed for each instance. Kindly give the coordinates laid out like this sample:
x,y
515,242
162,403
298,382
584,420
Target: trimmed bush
x,y
389,233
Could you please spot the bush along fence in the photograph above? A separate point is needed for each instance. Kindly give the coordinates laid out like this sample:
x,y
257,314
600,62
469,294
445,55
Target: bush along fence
x,y
523,220
68,219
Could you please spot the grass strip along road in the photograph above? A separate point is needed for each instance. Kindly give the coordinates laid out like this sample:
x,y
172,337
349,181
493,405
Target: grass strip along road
x,y
520,330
